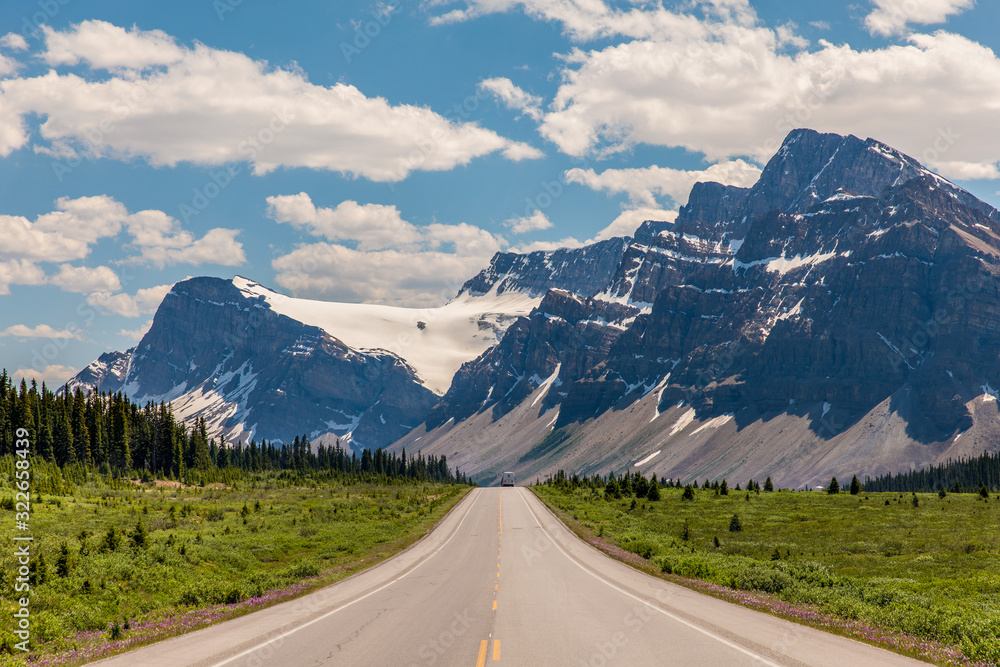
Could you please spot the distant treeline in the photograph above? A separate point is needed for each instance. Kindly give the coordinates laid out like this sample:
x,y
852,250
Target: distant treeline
x,y
964,475
109,434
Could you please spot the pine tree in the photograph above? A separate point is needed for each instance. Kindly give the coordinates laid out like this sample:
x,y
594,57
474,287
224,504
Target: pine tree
x,y
724,489
688,493
768,485
653,493
734,524
120,457
834,486
855,486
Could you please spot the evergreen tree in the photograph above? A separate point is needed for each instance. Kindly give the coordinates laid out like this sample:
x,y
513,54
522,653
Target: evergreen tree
x,y
768,485
834,486
723,489
855,486
734,524
653,492
688,493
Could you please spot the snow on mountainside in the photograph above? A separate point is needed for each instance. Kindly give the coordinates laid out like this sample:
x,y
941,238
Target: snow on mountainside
x,y
435,342
257,364
839,317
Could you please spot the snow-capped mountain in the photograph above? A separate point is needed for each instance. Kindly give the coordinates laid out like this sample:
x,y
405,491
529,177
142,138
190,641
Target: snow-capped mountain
x,y
841,316
255,363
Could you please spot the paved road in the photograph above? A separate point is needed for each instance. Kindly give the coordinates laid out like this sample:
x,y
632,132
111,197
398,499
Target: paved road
x,y
502,582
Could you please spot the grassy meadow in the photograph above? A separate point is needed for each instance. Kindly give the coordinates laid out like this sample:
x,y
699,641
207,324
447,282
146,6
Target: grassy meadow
x,y
918,574
128,563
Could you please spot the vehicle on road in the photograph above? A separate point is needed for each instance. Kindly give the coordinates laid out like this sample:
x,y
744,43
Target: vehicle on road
x,y
507,479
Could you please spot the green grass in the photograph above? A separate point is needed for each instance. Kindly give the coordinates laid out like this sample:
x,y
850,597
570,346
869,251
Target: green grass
x,y
205,558
923,580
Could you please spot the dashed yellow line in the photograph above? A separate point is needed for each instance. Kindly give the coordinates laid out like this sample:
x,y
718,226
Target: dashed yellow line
x,y
496,649
481,660
494,605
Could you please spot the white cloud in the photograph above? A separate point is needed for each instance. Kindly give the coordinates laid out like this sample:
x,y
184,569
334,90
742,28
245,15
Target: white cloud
x,y
535,222
966,171
630,219
513,97
54,374
137,333
170,103
393,277
376,227
105,46
83,280
688,94
67,234
144,302
644,185
41,331
161,241
545,246
393,261
19,272
722,84
14,42
586,20
890,17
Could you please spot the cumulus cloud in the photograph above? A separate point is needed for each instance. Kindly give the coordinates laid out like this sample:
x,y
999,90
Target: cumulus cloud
x,y
143,302
513,97
83,280
137,333
19,272
586,20
891,17
25,332
537,221
391,261
14,42
644,185
54,374
69,232
722,84
630,219
170,103
966,171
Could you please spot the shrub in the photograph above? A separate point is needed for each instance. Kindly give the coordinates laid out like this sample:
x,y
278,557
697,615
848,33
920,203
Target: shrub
x,y
688,493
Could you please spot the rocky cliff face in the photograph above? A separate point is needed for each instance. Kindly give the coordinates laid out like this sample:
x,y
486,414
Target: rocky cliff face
x,y
848,280
841,316
584,271
216,352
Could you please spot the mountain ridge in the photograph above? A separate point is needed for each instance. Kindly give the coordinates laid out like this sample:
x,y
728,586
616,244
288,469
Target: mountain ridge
x,y
844,293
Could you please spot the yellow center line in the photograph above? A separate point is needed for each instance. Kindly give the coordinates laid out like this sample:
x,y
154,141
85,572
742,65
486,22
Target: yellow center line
x,y
481,660
496,649
494,605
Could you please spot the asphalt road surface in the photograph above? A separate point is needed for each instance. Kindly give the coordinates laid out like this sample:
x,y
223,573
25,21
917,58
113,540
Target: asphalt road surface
x,y
501,581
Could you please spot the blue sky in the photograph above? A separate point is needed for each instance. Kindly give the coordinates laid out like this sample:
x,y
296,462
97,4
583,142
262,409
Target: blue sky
x,y
360,151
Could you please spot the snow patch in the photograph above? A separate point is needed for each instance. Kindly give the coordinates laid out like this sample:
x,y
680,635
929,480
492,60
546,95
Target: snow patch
x,y
682,423
713,423
647,459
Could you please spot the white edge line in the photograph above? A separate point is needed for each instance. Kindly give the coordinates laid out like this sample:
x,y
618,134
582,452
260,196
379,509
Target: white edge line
x,y
649,604
348,604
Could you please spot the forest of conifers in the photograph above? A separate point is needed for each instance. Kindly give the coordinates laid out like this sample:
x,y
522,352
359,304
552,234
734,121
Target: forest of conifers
x,y
109,434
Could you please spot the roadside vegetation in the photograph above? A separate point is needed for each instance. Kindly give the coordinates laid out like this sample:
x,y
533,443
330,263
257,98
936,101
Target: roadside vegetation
x,y
117,564
915,572
143,527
